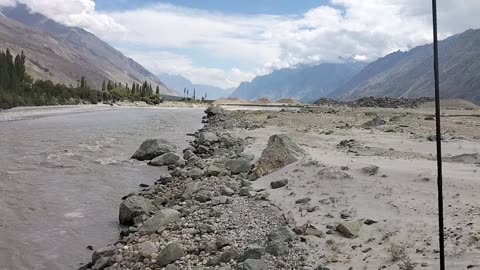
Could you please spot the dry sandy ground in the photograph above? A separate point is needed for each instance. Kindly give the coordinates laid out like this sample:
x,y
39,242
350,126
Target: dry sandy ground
x,y
401,196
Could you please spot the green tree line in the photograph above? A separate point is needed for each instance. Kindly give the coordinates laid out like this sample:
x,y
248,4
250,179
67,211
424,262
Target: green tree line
x,y
17,88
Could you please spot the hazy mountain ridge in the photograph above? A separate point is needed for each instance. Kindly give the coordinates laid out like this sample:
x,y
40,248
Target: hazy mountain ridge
x,y
307,83
63,54
178,83
410,74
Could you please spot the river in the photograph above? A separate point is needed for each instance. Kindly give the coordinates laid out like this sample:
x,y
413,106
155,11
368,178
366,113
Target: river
x,y
62,178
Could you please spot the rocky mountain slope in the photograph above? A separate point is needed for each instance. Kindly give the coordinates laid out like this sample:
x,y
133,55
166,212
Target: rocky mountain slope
x,y
410,74
178,83
307,83
64,54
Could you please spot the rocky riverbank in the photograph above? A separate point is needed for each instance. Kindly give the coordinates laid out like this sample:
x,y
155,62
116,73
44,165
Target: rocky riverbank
x,y
205,214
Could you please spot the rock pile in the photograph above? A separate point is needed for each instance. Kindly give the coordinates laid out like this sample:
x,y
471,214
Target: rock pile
x,y
204,214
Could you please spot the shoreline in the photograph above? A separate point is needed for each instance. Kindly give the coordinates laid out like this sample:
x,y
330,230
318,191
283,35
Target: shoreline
x,y
209,215
32,112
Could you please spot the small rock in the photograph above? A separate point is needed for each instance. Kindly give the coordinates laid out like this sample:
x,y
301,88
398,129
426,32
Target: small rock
x,y
279,183
370,170
350,229
303,200
252,264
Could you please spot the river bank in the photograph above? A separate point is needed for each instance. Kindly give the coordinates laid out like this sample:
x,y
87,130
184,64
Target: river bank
x,y
361,197
21,113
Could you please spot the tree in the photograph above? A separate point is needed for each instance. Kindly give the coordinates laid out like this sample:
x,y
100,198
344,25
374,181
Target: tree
x,y
157,91
109,85
193,93
83,82
104,86
20,67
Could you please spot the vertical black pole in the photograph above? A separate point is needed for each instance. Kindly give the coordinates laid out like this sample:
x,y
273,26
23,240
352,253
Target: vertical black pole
x,y
439,138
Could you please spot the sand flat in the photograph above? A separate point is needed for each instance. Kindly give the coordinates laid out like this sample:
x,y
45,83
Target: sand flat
x,y
401,197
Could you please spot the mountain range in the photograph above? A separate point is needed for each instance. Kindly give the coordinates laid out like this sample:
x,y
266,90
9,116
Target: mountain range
x,y
410,74
64,54
179,83
306,83
399,74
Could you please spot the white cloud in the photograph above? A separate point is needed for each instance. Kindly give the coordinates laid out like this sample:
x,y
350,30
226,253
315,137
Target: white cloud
x,y
362,30
80,13
166,62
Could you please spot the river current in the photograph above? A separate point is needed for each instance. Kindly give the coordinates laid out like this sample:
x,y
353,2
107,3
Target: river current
x,y
62,178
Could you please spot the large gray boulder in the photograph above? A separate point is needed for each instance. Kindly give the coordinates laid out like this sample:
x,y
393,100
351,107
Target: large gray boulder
x,y
160,219
133,207
280,151
165,160
153,148
238,165
169,254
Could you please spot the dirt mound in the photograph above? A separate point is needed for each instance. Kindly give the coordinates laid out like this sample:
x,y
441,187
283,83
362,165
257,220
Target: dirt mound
x,y
262,100
452,104
288,101
229,101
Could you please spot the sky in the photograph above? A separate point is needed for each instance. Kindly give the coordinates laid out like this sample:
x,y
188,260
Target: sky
x,y
226,42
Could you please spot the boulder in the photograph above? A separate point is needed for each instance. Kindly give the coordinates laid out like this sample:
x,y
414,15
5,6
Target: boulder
x,y
219,200
229,254
277,248
153,148
195,173
224,190
279,183
253,251
107,251
188,154
280,151
133,207
169,254
213,170
146,248
283,233
207,137
203,196
247,192
375,122
165,160
160,219
214,111
350,229
252,264
238,165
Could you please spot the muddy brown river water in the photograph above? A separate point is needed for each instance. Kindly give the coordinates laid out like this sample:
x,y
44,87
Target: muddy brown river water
x,y
62,178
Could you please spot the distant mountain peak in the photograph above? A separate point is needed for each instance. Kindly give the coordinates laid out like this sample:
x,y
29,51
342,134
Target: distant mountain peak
x,y
410,74
306,83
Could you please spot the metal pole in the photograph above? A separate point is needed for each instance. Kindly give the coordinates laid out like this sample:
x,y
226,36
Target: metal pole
x,y
439,138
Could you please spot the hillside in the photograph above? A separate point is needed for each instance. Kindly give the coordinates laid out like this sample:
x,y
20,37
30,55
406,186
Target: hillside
x,y
178,83
410,74
64,54
307,83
